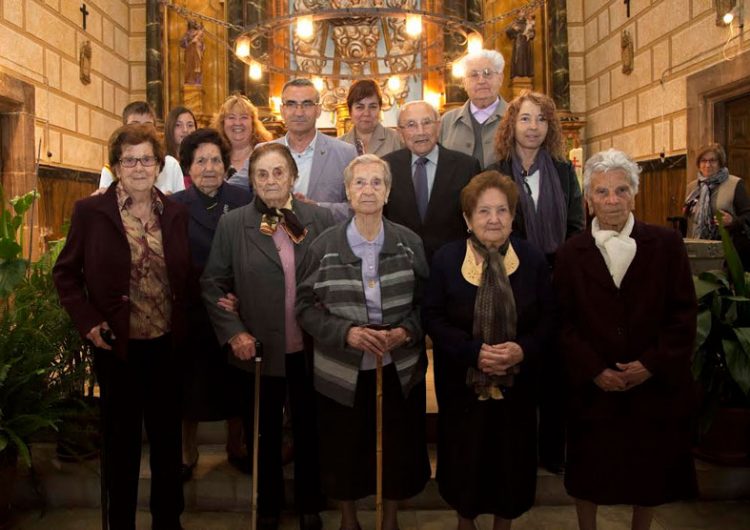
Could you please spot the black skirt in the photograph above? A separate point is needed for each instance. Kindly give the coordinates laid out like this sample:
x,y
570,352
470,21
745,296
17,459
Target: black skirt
x,y
212,389
347,440
630,461
487,454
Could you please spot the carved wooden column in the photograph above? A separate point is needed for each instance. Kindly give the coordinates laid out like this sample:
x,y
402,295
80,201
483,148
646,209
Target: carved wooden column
x,y
558,17
154,75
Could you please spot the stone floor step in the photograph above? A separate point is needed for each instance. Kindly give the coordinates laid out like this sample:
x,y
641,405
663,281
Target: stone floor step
x,y
217,486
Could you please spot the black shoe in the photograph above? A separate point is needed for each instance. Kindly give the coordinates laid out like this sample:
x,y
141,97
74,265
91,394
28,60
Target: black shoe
x,y
243,464
310,521
268,522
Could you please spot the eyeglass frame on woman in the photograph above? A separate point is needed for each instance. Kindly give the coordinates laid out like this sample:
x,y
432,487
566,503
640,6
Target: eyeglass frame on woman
x,y
132,161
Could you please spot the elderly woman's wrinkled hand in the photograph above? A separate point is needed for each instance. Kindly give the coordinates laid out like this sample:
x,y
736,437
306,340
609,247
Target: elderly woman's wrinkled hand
x,y
634,373
95,336
368,340
395,338
230,303
611,380
498,358
243,346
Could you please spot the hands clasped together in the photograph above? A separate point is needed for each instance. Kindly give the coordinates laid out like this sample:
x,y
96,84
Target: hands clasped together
x,y
376,341
624,378
498,358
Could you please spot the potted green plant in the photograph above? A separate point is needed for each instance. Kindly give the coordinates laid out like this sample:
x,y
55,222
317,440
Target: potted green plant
x,y
38,348
721,361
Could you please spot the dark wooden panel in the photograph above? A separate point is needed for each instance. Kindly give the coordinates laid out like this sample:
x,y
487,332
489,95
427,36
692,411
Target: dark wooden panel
x,y
661,191
738,137
60,189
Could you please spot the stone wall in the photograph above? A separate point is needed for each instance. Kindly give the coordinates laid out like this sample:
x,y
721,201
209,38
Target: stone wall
x,y
643,113
40,42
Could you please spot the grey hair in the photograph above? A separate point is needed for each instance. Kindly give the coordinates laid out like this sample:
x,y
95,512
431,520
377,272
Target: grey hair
x,y
497,59
368,158
611,160
301,82
408,104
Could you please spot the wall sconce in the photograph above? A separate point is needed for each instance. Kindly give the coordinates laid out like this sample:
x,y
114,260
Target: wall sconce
x,y
734,13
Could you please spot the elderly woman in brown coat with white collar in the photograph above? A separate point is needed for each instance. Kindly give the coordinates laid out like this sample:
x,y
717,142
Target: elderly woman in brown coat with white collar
x,y
628,326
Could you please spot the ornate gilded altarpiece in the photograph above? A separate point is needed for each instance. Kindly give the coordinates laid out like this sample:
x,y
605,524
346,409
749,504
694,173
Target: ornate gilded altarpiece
x,y
338,46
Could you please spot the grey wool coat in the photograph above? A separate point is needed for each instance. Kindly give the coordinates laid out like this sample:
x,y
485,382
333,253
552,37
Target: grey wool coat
x,y
331,299
245,261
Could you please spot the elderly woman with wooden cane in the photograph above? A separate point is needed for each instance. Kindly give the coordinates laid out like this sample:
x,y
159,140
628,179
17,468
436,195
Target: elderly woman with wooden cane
x,y
256,253
359,298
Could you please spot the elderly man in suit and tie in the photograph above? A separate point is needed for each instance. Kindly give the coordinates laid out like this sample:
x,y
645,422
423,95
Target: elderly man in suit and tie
x,y
427,179
320,159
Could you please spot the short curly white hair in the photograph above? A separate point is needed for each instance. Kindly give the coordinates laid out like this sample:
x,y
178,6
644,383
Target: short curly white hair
x,y
611,160
497,59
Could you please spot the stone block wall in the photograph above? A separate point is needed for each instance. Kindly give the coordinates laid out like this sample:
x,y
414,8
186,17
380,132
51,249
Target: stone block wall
x,y
643,113
40,42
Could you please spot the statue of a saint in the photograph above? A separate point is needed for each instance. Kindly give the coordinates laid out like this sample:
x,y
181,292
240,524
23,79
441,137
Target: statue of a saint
x,y
192,42
522,31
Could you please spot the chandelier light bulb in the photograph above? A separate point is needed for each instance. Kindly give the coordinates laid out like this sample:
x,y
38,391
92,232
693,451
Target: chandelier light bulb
x,y
414,25
256,71
242,48
458,70
305,27
394,83
318,83
433,98
474,43
728,18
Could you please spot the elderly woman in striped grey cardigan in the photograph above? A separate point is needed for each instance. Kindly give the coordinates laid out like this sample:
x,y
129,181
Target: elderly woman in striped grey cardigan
x,y
358,298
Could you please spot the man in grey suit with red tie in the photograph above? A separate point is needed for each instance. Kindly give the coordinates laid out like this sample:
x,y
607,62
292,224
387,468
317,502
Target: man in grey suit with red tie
x,y
320,159
427,179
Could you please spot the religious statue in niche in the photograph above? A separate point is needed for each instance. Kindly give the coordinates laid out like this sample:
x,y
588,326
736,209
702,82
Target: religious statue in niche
x,y
522,32
192,42
626,48
84,62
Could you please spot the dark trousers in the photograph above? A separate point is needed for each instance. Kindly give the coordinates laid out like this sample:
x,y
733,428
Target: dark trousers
x,y
273,393
552,415
143,389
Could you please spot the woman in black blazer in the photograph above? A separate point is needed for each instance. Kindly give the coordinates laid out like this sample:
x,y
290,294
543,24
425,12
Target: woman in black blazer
x,y
529,147
213,390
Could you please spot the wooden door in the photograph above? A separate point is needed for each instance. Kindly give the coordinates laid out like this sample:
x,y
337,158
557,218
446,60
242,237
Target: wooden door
x,y
661,192
737,141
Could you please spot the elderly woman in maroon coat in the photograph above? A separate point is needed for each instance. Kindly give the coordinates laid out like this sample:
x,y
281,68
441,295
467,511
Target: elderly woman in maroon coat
x,y
629,314
125,277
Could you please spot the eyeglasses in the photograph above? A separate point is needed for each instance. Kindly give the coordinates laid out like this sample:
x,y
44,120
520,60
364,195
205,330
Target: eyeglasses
x,y
413,125
203,162
485,73
296,105
375,183
708,161
132,161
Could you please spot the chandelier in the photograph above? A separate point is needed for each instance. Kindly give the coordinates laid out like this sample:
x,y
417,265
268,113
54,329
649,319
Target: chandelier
x,y
334,42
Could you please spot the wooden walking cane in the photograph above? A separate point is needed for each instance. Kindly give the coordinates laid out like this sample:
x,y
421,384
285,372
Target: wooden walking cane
x,y
379,444
256,435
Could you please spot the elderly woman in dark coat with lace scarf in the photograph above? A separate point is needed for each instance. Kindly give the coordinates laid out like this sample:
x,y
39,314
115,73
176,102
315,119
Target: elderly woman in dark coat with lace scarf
x,y
489,309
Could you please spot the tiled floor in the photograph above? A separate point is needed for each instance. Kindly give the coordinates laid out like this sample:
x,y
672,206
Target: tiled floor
x,y
678,516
